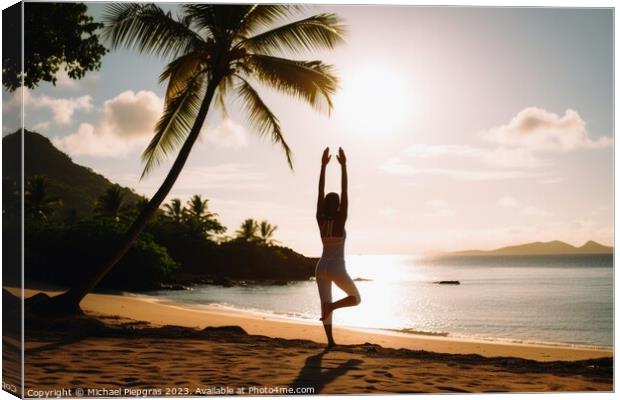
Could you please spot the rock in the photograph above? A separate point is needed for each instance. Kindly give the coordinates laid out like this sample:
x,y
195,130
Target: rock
x,y
448,282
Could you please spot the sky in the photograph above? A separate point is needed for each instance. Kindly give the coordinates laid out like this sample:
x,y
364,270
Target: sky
x,y
465,128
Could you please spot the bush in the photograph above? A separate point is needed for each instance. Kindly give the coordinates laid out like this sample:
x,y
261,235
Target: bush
x,y
67,254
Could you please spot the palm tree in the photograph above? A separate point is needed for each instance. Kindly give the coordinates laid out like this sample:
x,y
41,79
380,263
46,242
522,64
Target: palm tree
x,y
215,49
36,201
248,231
200,218
197,207
111,204
265,233
175,210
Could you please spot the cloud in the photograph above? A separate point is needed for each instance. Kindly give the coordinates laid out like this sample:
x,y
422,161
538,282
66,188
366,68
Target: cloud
x,y
396,166
62,109
226,134
41,126
497,157
89,141
201,179
540,130
125,123
131,115
507,202
517,146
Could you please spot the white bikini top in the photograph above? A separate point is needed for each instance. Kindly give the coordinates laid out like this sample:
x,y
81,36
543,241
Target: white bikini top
x,y
333,246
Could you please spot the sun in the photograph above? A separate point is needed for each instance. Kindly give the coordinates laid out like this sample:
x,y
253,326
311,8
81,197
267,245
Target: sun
x,y
374,100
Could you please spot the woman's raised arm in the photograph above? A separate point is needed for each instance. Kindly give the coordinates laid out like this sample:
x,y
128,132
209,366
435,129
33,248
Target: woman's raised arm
x,y
319,203
344,197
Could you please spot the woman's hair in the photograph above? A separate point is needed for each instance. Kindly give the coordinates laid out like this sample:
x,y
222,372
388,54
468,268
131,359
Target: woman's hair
x,y
331,204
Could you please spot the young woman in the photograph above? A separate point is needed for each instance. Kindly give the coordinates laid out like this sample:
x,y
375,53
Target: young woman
x,y
331,215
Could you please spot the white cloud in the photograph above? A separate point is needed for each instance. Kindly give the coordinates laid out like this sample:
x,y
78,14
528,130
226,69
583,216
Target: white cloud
x,y
41,126
126,122
397,167
88,141
497,157
540,130
535,212
62,109
226,134
508,202
201,179
517,146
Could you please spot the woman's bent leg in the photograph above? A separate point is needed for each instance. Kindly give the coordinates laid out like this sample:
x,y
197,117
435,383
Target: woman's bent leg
x,y
344,282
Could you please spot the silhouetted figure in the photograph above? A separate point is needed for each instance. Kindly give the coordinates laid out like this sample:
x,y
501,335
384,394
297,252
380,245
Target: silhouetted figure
x,y
331,215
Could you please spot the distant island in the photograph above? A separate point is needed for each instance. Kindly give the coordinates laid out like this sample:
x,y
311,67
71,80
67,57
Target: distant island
x,y
555,247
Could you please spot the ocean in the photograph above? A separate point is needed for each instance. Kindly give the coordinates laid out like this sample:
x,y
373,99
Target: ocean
x,y
526,299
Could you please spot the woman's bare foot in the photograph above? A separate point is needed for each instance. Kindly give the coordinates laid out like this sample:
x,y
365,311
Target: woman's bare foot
x,y
330,345
326,311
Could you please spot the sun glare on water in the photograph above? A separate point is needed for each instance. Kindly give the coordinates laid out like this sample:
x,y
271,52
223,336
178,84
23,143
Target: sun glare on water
x,y
374,99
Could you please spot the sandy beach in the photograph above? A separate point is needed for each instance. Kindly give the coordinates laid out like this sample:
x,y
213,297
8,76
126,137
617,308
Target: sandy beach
x,y
128,342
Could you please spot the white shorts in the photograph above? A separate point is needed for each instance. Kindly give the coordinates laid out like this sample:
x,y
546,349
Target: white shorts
x,y
330,270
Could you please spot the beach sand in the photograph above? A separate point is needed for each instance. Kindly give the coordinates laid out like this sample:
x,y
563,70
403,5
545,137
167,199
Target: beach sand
x,y
149,344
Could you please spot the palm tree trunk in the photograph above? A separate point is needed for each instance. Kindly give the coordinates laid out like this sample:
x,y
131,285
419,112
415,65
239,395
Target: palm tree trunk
x,y
70,299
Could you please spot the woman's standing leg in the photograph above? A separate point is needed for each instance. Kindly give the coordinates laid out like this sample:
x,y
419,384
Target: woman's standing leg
x,y
325,295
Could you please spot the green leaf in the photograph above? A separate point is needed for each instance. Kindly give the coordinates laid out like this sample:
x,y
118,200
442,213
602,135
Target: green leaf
x,y
261,117
313,33
311,81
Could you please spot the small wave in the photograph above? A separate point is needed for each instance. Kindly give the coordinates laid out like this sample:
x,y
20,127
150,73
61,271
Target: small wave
x,y
417,332
360,279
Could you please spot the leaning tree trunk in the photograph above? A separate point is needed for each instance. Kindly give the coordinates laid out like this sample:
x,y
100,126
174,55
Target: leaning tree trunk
x,y
68,302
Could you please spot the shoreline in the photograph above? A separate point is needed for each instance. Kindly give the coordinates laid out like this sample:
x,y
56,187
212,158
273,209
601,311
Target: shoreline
x,y
219,308
162,312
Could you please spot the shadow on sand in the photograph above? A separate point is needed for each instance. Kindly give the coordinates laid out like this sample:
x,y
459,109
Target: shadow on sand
x,y
313,374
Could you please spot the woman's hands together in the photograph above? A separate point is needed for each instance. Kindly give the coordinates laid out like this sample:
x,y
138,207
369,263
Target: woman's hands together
x,y
341,157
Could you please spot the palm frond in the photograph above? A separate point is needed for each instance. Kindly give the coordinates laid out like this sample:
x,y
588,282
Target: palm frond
x,y
261,117
264,15
179,72
312,81
221,20
148,29
175,123
313,33
220,95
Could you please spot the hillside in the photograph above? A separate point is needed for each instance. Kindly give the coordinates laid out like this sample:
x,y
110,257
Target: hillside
x,y
77,186
555,247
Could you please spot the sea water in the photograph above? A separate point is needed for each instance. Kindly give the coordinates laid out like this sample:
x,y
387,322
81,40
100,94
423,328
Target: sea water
x,y
530,299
